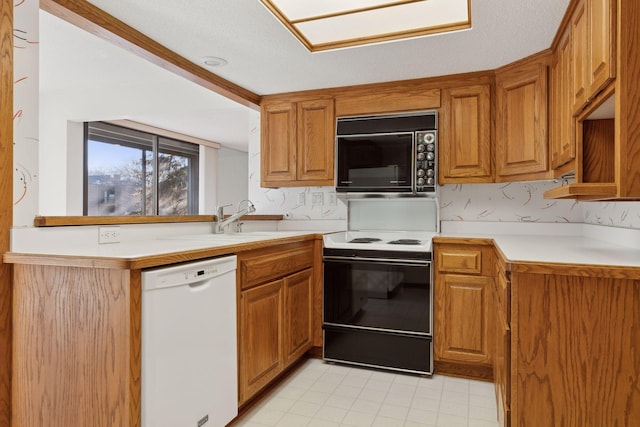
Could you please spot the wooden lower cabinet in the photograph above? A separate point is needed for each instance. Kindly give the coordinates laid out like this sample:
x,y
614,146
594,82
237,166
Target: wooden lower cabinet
x,y
275,313
463,309
298,312
502,344
463,330
261,325
574,358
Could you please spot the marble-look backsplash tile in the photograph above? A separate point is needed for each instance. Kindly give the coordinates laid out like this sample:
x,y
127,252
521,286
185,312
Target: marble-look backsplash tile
x,y
506,202
617,214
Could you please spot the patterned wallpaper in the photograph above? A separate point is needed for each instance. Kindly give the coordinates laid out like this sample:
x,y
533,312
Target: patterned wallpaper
x,y
617,214
25,118
506,202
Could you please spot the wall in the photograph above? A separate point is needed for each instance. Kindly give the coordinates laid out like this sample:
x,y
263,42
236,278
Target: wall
x,y
233,172
25,124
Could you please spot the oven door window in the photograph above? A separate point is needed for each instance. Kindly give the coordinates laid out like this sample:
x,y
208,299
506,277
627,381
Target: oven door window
x,y
377,295
375,162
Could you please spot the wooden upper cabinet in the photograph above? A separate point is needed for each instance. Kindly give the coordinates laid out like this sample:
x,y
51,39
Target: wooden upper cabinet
x,y
465,135
316,134
579,54
278,143
593,30
521,121
297,143
602,44
562,144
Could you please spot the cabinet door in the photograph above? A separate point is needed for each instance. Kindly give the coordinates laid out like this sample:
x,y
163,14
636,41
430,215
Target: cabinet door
x,y
562,137
316,135
521,143
278,144
502,351
261,358
297,314
602,37
462,318
465,135
579,56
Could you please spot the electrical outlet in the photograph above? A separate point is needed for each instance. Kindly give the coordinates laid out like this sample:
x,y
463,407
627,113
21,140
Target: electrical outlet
x,y
302,199
331,199
109,235
317,199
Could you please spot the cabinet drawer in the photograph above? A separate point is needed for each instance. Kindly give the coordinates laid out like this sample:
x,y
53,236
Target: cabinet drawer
x,y
460,259
260,266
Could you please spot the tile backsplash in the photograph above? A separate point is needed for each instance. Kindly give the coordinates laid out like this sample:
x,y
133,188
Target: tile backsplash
x,y
506,202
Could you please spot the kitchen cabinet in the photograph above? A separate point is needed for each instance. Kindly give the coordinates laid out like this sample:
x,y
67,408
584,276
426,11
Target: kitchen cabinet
x,y
562,144
607,149
593,55
574,329
465,135
77,327
297,143
275,314
521,120
261,325
463,307
502,340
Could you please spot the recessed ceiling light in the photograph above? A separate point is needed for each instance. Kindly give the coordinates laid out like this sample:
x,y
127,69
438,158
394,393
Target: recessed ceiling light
x,y
213,61
322,25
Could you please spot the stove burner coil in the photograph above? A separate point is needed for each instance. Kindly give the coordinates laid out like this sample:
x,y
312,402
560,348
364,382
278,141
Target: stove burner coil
x,y
365,240
405,242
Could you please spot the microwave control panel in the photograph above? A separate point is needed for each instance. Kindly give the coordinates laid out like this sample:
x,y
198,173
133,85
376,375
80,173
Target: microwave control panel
x,y
426,161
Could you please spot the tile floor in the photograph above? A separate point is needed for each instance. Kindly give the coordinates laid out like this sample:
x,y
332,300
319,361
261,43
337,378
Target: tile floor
x,y
320,394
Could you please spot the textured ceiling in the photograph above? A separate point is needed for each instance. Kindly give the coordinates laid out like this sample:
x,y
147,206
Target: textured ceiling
x,y
265,58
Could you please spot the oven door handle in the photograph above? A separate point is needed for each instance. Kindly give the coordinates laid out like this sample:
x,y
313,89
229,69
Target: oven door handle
x,y
361,260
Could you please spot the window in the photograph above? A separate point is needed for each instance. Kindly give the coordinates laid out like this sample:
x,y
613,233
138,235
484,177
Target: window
x,y
130,172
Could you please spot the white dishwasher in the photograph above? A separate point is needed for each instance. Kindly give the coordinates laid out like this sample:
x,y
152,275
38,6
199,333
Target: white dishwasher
x,y
189,347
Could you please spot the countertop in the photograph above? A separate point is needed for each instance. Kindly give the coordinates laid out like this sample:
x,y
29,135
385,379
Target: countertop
x,y
578,244
575,244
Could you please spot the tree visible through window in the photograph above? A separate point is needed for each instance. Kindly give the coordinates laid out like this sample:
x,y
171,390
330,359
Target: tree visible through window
x,y
129,172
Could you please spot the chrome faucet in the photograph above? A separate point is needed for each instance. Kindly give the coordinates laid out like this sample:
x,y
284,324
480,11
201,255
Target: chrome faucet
x,y
222,222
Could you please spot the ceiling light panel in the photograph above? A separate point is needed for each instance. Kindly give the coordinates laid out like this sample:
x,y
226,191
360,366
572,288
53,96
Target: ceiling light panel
x,y
329,24
296,10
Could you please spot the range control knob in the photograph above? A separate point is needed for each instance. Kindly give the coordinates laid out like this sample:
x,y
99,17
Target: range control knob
x,y
430,156
421,156
421,148
430,181
430,172
421,172
420,181
429,137
431,147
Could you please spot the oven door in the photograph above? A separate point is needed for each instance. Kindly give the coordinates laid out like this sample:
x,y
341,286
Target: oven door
x,y
378,295
375,163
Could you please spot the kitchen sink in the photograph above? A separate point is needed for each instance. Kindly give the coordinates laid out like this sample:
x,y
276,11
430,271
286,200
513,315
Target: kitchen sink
x,y
246,236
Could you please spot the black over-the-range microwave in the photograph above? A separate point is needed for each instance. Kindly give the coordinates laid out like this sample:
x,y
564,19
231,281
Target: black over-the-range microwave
x,y
387,154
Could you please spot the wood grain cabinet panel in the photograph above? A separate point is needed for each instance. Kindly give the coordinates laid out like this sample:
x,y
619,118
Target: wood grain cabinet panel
x,y
279,150
297,143
298,320
275,312
579,55
521,124
562,140
465,135
464,309
602,44
261,323
574,339
462,333
315,140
